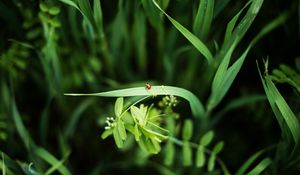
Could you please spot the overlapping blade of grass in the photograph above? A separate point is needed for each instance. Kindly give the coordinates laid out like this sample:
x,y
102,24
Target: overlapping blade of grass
x,y
10,165
58,165
287,120
242,27
225,75
203,18
196,106
242,170
196,42
260,167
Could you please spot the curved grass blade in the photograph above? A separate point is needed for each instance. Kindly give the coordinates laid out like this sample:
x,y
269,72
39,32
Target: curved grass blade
x,y
260,167
287,120
249,162
196,42
45,155
196,106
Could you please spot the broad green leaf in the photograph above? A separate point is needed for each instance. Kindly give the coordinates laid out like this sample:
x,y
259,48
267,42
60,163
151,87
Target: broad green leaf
x,y
106,133
196,106
187,130
169,154
117,138
121,129
207,138
186,154
259,168
211,162
218,147
119,106
45,155
203,18
200,156
196,42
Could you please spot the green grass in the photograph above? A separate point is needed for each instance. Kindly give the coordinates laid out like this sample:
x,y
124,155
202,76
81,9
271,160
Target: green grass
x,y
209,109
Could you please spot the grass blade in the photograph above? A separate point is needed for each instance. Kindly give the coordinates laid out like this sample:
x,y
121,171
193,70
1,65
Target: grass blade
x,y
196,42
203,18
45,155
196,106
287,120
260,167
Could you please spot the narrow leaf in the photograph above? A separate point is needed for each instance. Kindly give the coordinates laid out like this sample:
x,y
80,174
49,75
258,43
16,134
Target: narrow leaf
x,y
169,154
196,106
259,168
207,138
187,130
200,156
196,42
211,162
121,129
117,138
119,106
187,154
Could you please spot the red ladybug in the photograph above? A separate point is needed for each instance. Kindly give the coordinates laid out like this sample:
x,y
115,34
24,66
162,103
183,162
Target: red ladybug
x,y
148,85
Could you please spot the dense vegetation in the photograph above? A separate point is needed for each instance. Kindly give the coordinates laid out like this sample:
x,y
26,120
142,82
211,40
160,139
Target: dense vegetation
x,y
195,87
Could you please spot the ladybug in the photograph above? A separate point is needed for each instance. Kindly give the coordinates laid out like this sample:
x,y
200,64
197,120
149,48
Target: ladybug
x,y
148,85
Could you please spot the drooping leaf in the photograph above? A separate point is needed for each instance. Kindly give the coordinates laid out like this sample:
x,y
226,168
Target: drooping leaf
x,y
117,138
169,154
121,129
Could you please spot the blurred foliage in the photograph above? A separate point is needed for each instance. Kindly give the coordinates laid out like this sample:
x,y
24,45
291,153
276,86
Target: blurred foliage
x,y
211,115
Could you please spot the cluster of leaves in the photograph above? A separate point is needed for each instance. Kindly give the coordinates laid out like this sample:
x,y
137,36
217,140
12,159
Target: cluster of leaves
x,y
143,122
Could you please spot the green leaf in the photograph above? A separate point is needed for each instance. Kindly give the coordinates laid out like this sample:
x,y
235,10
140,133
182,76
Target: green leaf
x,y
211,162
196,106
287,120
203,18
259,168
169,154
152,14
117,138
137,114
242,27
200,156
196,42
242,170
98,16
45,155
119,106
54,10
44,7
106,133
218,147
121,129
186,154
207,138
137,132
187,130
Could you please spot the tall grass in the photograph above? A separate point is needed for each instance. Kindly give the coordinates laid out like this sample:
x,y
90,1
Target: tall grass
x,y
193,53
